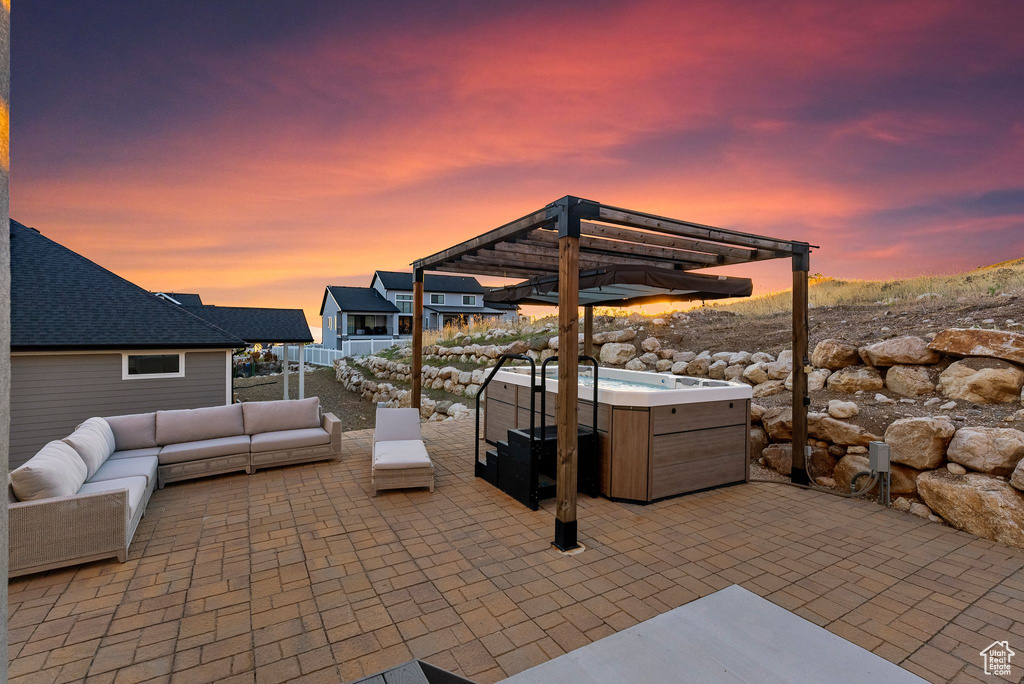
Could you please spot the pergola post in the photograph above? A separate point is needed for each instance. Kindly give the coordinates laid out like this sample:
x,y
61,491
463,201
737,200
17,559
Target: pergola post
x,y
302,371
567,408
417,336
588,330
284,367
801,400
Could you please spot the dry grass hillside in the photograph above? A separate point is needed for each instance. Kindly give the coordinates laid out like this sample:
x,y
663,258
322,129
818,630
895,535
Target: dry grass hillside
x,y
1005,277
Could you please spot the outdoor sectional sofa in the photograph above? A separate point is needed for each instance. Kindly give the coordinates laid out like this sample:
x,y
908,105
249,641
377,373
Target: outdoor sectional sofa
x,y
81,498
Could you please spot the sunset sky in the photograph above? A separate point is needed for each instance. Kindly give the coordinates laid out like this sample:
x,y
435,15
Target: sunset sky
x,y
255,152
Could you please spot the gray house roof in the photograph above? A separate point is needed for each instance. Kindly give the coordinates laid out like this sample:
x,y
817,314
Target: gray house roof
x,y
183,298
257,324
399,280
358,299
62,301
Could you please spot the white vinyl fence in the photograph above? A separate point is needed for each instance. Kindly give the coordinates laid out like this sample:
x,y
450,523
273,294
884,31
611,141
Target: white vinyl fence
x,y
321,356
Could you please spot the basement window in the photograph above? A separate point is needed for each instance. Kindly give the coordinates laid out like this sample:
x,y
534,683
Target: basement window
x,y
152,366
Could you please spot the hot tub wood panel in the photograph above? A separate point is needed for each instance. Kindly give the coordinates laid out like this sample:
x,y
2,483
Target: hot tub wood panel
x,y
502,391
630,448
696,469
499,418
668,419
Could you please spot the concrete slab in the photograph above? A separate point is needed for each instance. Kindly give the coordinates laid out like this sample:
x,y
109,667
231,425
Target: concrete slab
x,y
730,636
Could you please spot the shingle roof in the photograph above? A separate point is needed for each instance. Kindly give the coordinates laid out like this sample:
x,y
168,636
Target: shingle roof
x,y
359,299
257,324
61,300
399,280
183,298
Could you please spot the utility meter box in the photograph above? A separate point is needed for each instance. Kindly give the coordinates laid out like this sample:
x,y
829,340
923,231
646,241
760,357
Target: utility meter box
x,y
878,457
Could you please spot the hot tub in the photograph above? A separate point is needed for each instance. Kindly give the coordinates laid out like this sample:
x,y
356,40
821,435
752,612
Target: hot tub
x,y
659,434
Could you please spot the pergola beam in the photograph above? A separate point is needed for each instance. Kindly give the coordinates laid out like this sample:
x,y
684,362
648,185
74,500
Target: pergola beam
x,y
721,254
611,249
694,230
545,216
591,258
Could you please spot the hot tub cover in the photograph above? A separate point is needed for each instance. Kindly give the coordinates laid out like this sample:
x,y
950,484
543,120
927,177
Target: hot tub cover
x,y
626,285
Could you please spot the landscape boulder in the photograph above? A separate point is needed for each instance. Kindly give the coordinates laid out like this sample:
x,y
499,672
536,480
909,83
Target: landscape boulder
x,y
815,379
739,357
976,503
614,336
824,427
919,442
756,412
650,344
617,353
1017,479
769,388
780,458
837,408
699,366
834,354
684,357
635,365
717,370
910,381
663,365
854,379
758,441
997,344
755,373
778,370
735,372
982,381
902,480
778,422
909,350
650,358
992,450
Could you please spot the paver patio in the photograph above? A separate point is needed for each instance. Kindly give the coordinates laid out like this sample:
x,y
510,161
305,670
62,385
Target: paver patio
x,y
297,574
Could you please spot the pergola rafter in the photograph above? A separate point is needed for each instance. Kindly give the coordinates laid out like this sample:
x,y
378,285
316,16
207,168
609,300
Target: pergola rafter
x,y
574,234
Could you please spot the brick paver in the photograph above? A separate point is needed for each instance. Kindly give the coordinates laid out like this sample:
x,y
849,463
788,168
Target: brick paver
x,y
297,574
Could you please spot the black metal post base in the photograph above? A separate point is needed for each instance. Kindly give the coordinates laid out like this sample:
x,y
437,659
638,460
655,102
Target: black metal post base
x,y
565,535
799,476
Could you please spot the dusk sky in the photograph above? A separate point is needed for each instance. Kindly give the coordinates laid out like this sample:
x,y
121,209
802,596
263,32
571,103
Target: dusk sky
x,y
255,151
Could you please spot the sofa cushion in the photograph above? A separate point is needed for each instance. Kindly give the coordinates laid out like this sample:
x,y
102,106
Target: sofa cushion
x,y
134,453
289,439
144,466
206,448
396,424
194,425
401,453
56,470
136,487
136,431
94,442
274,416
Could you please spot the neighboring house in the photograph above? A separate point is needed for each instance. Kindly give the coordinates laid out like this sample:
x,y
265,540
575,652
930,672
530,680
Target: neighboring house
x,y
86,342
384,310
254,324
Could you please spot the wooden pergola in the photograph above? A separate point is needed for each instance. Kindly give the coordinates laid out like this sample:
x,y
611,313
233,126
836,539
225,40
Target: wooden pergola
x,y
574,234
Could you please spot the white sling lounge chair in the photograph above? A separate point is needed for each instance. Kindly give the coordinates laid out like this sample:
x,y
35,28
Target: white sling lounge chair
x,y
400,459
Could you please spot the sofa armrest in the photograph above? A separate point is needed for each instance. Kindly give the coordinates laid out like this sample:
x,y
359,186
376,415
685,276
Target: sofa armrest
x,y
332,424
64,530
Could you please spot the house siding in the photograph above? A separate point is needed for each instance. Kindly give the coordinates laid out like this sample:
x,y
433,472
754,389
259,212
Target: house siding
x,y
329,336
52,393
